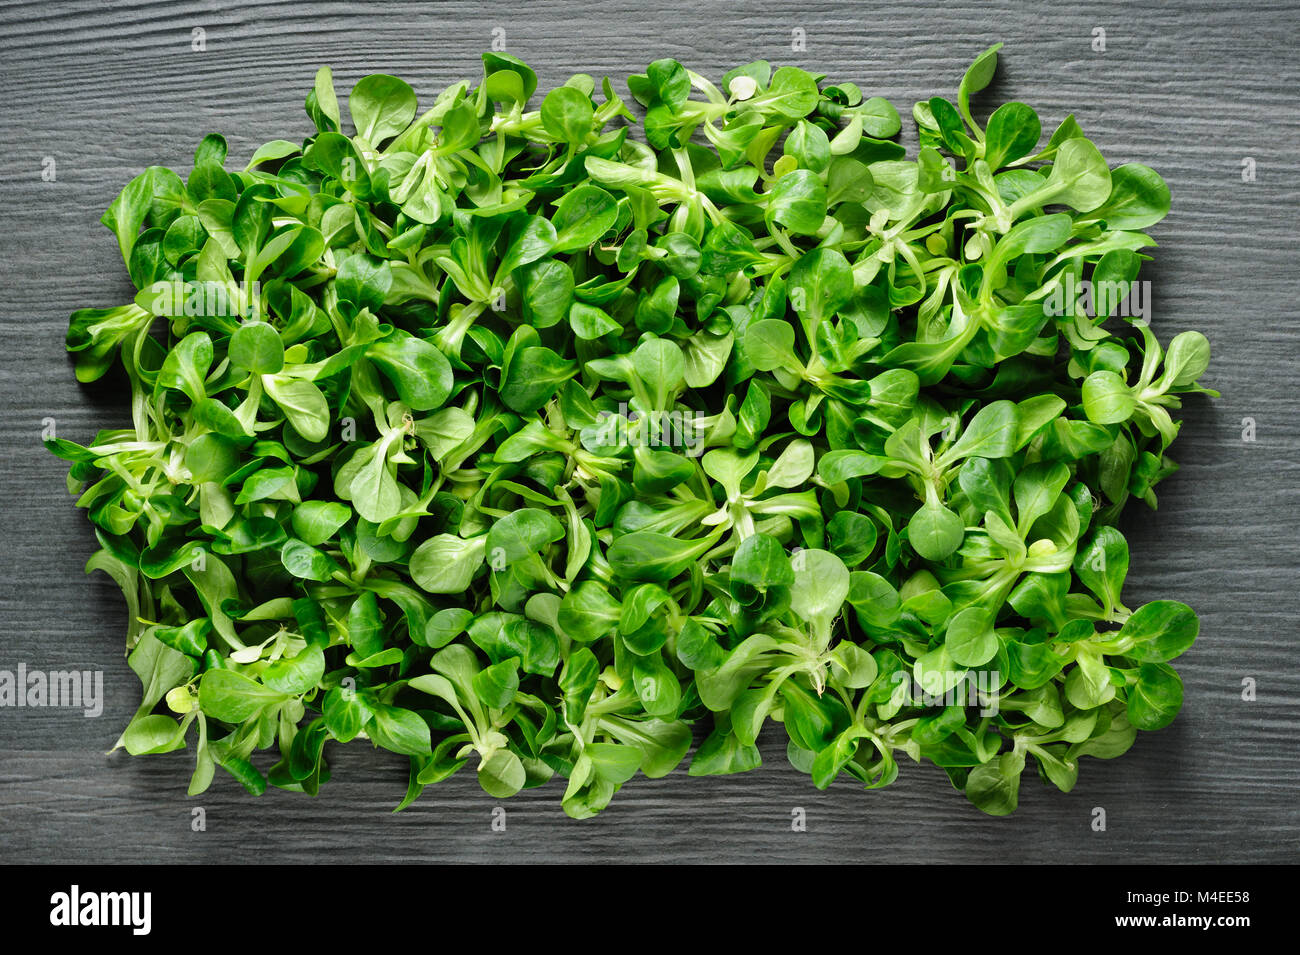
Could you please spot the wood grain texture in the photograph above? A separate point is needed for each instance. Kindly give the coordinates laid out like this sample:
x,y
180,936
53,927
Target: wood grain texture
x,y
1189,88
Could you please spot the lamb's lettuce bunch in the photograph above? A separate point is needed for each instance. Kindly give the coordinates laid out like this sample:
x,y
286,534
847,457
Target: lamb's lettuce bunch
x,y
525,435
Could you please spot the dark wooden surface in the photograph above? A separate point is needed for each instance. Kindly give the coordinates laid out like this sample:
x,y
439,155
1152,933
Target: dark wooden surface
x,y
1189,88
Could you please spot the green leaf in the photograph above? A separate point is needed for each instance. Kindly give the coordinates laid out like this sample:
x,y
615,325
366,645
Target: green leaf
x,y
496,686
821,585
970,639
417,369
306,562
1138,198
582,216
978,75
401,731
303,405
446,564
520,535
296,675
315,522
1107,399
1161,630
935,532
1102,565
1186,359
381,107
502,774
647,555
530,380
567,114
797,201
1155,699
1013,132
233,697
992,433
994,787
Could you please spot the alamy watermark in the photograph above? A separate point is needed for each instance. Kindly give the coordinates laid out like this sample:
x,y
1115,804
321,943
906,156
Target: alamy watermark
x,y
1104,298
75,907
654,429
971,688
194,299
74,689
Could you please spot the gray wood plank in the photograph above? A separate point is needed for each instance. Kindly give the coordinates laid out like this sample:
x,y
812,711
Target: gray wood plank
x,y
1190,88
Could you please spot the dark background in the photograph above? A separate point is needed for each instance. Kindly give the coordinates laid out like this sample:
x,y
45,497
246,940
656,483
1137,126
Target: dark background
x,y
1191,89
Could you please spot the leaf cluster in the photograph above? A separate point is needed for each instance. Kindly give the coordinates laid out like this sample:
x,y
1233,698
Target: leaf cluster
x,y
523,440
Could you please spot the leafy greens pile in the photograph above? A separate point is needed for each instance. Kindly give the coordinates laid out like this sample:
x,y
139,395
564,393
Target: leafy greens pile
x,y
502,437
